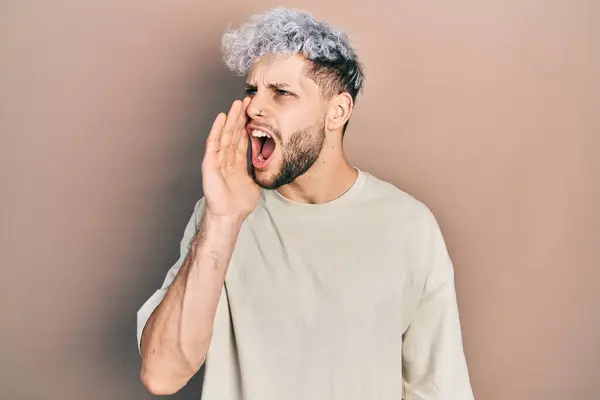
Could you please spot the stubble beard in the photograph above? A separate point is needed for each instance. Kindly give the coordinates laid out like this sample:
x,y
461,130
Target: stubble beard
x,y
298,155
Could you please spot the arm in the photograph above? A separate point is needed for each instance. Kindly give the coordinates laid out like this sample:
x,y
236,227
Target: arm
x,y
434,363
175,325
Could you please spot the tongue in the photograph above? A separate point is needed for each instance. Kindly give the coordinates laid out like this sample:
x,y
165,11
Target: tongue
x,y
268,148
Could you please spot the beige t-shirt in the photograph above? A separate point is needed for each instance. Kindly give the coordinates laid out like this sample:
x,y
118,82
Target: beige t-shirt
x,y
352,299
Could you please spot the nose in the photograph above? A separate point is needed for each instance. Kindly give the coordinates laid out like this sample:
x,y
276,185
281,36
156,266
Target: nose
x,y
253,109
256,107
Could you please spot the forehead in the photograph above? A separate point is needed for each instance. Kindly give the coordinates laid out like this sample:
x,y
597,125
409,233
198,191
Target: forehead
x,y
290,70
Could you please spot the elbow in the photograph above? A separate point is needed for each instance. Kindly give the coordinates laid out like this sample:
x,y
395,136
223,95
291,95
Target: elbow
x,y
158,384
165,376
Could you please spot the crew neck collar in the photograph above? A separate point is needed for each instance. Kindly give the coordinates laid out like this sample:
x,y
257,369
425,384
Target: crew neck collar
x,y
273,197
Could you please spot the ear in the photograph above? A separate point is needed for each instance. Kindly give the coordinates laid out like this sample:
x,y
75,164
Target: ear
x,y
340,109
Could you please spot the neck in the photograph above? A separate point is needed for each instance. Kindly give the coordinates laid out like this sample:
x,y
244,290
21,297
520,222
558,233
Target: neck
x,y
329,178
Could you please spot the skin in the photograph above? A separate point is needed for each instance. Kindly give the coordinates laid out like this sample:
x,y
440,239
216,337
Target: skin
x,y
177,335
292,104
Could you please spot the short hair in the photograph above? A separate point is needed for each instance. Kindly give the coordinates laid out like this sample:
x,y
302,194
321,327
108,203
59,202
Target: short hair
x,y
333,63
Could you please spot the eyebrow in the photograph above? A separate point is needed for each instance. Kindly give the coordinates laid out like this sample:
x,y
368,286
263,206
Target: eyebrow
x,y
272,86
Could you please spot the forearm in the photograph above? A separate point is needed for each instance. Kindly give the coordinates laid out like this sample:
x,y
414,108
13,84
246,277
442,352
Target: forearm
x,y
178,333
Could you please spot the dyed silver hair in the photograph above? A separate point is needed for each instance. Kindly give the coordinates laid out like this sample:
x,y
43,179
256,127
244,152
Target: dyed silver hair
x,y
287,31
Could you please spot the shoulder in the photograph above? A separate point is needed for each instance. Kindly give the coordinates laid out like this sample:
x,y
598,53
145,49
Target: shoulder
x,y
414,226
396,203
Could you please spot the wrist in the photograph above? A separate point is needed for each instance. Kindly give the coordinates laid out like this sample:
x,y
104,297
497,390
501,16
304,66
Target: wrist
x,y
221,223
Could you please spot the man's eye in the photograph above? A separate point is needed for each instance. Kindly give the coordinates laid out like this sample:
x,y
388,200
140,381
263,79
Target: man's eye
x,y
283,93
250,92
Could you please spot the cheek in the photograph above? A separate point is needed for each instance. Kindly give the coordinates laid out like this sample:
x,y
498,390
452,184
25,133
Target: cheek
x,y
290,122
294,116
299,121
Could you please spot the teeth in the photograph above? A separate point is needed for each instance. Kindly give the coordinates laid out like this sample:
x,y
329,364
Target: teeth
x,y
260,157
257,133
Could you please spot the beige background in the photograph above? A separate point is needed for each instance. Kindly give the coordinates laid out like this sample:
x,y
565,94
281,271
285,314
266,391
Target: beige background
x,y
486,111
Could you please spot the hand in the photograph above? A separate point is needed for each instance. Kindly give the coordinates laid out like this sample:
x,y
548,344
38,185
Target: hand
x,y
229,190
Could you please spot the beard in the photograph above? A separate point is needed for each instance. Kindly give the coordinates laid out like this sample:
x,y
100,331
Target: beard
x,y
297,156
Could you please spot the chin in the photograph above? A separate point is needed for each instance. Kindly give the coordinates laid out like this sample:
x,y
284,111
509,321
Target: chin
x,y
265,178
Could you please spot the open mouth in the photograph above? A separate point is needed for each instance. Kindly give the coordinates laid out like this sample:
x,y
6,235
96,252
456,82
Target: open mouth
x,y
263,147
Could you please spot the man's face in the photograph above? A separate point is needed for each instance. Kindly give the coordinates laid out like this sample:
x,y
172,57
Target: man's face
x,y
288,108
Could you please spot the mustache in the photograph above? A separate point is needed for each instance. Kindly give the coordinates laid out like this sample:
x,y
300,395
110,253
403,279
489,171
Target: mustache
x,y
266,126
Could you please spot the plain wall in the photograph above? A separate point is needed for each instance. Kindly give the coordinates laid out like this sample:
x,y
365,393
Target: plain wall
x,y
486,111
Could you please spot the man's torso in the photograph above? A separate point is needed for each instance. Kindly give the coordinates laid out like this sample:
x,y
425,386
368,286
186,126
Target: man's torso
x,y
316,299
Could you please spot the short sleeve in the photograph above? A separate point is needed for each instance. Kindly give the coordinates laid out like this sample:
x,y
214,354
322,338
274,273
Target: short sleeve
x,y
434,362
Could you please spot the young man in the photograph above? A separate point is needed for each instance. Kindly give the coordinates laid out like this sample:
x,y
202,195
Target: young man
x,y
305,278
